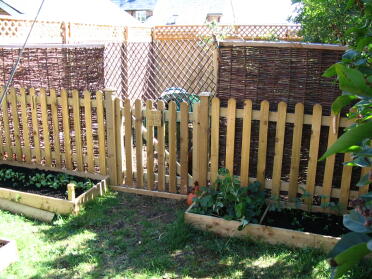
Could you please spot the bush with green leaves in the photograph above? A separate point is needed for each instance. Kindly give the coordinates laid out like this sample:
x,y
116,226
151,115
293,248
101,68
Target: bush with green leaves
x,y
227,199
354,75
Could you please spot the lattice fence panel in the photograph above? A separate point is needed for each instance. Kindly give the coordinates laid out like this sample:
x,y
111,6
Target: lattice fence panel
x,y
146,69
16,30
189,32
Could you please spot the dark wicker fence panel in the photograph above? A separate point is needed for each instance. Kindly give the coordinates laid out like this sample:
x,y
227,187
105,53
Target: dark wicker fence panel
x,y
291,75
55,67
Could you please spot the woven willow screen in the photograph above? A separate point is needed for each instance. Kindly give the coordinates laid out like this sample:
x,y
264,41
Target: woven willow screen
x,y
288,74
55,67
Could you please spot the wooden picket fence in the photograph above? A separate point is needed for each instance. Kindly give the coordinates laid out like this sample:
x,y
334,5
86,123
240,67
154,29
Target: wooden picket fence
x,y
163,151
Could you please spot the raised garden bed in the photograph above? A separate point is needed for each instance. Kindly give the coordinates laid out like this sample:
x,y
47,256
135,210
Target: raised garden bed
x,y
265,233
8,253
49,199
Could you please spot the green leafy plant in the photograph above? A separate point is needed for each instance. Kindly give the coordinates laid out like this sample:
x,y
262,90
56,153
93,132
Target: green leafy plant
x,y
18,180
354,75
227,199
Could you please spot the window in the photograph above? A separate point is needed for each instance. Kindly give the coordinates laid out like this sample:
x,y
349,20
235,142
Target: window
x,y
140,15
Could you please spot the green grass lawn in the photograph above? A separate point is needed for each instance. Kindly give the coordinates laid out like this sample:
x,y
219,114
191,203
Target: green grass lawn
x,y
130,236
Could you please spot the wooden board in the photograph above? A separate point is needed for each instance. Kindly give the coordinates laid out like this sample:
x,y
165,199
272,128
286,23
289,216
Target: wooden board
x,y
230,135
172,147
215,137
15,117
28,211
111,137
139,143
150,150
161,151
119,141
66,129
263,233
148,192
77,130
184,147
279,145
56,143
101,133
262,143
42,202
6,132
89,130
330,162
45,126
203,134
195,143
128,143
26,131
246,143
313,152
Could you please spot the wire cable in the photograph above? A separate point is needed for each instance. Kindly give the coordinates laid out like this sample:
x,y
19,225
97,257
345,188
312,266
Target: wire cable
x,y
15,66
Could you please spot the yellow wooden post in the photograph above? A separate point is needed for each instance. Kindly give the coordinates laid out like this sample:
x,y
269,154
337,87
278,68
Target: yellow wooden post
x,y
111,136
246,143
172,135
262,143
101,132
203,134
230,135
215,137
71,191
139,143
296,152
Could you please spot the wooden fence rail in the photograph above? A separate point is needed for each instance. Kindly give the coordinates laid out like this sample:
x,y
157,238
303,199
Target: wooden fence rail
x,y
154,149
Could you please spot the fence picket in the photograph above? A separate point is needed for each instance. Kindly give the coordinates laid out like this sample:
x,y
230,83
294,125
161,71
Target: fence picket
x,y
101,132
195,145
88,130
172,134
128,143
77,130
66,129
203,134
45,126
119,149
230,135
345,182
25,127
364,189
56,143
296,151
160,150
262,143
279,145
215,137
330,162
246,143
313,152
184,147
111,137
139,143
150,150
35,125
15,116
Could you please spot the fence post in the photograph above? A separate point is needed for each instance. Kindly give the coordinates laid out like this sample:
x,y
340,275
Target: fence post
x,y
111,135
203,134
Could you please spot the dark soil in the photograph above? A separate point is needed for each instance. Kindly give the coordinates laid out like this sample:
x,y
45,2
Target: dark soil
x,y
299,220
50,192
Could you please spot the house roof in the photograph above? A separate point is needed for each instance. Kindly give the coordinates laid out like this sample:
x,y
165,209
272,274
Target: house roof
x,y
185,12
79,11
130,5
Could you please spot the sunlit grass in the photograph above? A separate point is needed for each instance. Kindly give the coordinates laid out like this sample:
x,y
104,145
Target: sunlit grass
x,y
129,236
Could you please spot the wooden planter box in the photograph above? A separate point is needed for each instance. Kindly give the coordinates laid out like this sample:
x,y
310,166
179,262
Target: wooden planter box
x,y
263,233
51,204
8,253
